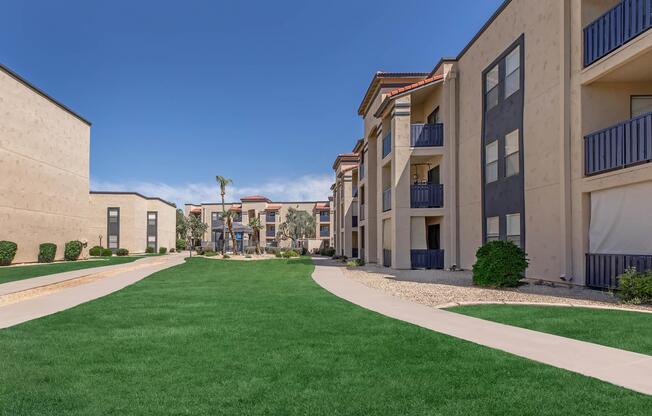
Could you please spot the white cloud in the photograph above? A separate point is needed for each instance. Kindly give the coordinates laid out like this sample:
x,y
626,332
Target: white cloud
x,y
304,188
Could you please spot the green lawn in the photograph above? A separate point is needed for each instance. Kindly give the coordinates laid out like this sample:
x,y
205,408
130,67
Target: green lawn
x,y
228,338
9,274
630,331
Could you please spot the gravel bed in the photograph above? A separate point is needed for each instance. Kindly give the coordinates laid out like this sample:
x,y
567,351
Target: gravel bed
x,y
448,289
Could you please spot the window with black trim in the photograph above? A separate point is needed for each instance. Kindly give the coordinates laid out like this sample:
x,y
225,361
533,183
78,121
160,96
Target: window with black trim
x,y
493,228
513,222
491,87
640,104
491,160
512,158
512,73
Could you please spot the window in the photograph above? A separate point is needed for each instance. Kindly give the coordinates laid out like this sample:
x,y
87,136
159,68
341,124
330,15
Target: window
x,y
512,73
491,87
151,219
493,228
113,215
491,161
512,163
214,216
641,105
433,118
514,228
113,241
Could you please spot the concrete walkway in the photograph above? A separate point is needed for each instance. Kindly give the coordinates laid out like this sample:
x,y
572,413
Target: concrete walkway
x,y
623,368
120,276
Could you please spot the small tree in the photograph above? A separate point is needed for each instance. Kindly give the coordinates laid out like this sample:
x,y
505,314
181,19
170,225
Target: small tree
x,y
297,225
182,225
227,217
195,229
256,226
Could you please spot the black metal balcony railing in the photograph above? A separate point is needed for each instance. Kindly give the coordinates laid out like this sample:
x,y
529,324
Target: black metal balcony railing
x,y
426,135
427,195
387,199
427,259
271,232
387,258
387,144
625,144
602,270
324,218
354,221
270,218
619,25
324,232
354,252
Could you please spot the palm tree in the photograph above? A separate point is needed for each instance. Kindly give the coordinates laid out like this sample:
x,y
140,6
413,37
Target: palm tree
x,y
227,216
223,183
256,226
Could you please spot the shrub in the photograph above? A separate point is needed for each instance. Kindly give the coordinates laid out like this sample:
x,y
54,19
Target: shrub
x,y
200,250
355,263
96,251
107,252
210,253
635,287
122,252
499,264
290,253
72,250
162,250
47,252
247,256
149,250
278,254
250,250
181,244
327,251
226,256
172,250
7,252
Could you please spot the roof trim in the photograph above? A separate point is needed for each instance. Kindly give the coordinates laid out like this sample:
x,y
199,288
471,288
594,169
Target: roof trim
x,y
367,98
42,94
407,90
149,198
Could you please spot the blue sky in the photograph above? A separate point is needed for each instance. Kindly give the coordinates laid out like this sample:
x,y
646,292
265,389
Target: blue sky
x,y
264,92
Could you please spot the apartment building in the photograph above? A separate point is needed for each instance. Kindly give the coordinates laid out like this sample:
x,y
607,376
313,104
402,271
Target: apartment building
x,y
132,221
44,180
271,215
538,132
345,203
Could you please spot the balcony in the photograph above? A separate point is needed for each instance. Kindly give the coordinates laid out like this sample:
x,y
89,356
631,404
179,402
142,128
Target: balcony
x,y
620,146
427,259
426,135
354,221
602,270
324,218
324,232
270,218
270,232
387,144
427,195
619,25
387,199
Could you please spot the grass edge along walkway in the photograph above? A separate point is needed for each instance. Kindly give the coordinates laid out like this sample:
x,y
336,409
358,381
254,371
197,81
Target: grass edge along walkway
x,y
222,337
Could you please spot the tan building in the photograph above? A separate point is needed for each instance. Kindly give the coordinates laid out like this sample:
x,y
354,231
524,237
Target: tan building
x,y
44,178
345,205
271,215
538,132
132,221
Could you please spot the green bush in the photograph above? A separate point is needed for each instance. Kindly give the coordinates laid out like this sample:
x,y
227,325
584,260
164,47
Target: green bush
x,y
122,252
250,250
327,251
162,250
172,250
210,253
7,252
47,252
72,250
247,256
96,251
499,264
107,252
226,256
290,253
149,250
181,244
635,287
355,263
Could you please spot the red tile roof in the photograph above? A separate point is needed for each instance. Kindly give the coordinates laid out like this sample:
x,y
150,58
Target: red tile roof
x,y
254,198
273,207
322,206
235,207
195,210
415,85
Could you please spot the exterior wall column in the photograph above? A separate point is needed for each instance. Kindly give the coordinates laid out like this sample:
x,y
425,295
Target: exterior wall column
x,y
371,199
450,162
401,211
378,172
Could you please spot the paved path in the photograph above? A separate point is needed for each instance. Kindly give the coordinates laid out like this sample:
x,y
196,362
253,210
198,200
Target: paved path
x,y
623,368
119,276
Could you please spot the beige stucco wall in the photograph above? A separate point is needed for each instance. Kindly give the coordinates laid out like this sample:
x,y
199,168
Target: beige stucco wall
x,y
542,128
44,171
133,221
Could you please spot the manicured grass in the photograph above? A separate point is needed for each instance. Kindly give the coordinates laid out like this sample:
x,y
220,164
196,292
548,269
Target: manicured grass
x,y
228,338
630,331
9,274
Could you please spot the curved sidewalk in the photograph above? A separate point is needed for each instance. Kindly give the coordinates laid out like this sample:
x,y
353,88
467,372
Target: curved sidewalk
x,y
121,275
623,368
